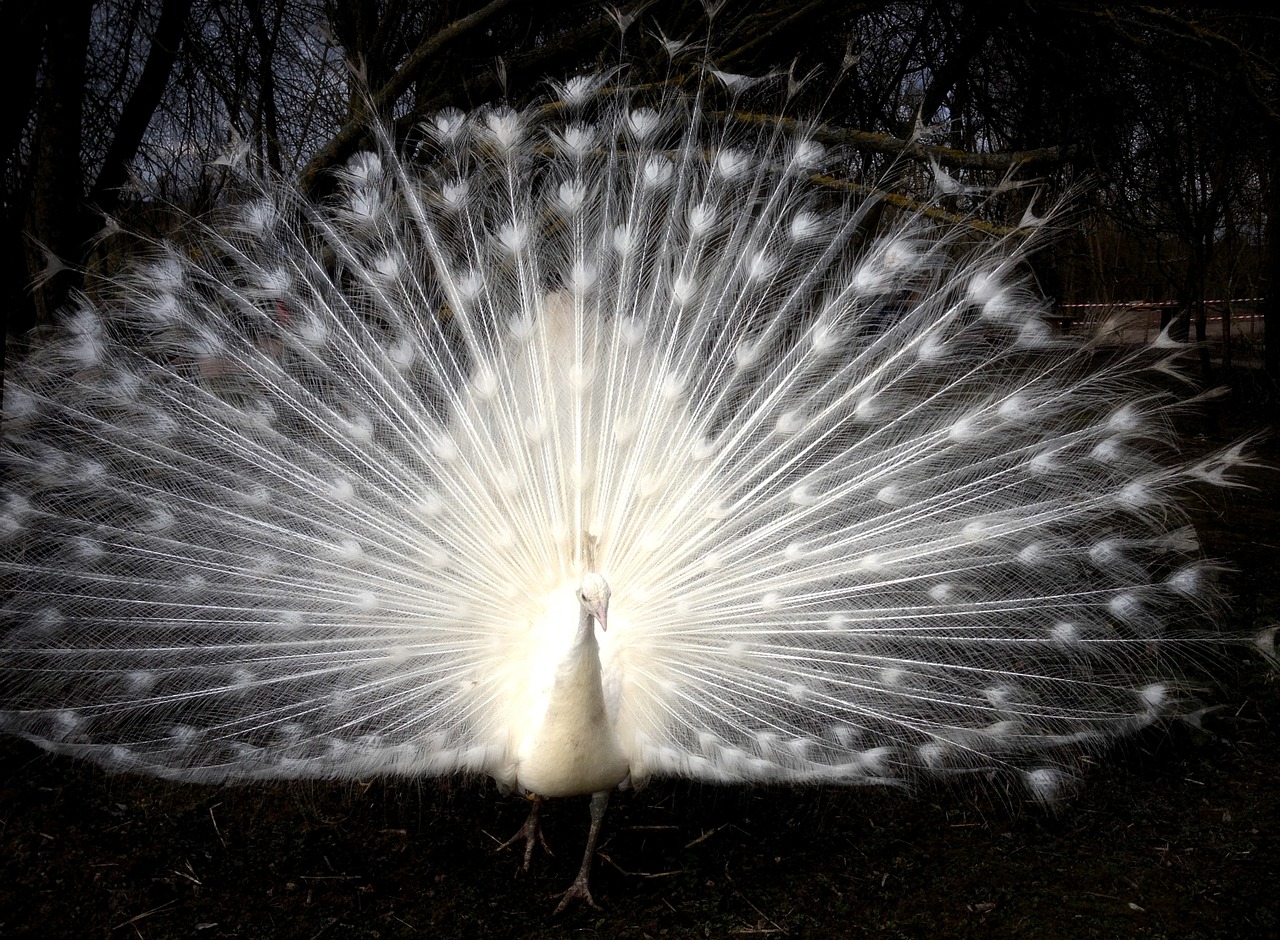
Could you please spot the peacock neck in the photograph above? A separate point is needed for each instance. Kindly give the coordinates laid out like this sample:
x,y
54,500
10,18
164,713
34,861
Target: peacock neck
x,y
581,667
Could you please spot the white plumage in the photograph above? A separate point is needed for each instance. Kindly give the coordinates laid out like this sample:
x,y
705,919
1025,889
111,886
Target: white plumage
x,y
353,488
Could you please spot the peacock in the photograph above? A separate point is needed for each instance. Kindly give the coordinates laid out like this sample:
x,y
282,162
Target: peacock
x,y
587,442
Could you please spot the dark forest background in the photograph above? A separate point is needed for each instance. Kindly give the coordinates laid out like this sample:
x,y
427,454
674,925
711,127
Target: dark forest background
x,y
1163,122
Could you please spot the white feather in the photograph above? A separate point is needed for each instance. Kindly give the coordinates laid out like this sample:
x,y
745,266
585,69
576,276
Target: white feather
x,y
318,501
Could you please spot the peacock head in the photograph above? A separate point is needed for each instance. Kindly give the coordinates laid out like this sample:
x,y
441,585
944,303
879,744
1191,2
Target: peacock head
x,y
593,595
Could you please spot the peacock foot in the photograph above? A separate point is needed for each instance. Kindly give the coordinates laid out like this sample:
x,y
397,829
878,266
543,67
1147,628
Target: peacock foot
x,y
578,891
530,833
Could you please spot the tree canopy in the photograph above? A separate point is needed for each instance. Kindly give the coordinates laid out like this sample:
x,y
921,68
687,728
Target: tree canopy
x,y
1163,121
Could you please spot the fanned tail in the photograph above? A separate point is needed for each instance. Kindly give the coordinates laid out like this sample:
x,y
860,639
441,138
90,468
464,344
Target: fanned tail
x,y
286,504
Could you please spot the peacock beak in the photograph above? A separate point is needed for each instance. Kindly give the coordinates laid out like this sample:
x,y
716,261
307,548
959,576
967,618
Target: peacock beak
x,y
601,612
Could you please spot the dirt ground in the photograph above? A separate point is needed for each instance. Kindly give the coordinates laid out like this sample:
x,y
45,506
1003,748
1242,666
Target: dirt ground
x,y
1177,835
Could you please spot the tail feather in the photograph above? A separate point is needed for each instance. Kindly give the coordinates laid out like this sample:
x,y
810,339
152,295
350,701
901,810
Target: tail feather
x,y
281,505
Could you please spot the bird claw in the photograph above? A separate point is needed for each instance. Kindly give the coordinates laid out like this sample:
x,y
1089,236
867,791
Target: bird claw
x,y
529,833
578,891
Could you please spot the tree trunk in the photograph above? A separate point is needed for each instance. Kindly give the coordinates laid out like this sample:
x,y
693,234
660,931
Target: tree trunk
x,y
1271,264
54,213
141,106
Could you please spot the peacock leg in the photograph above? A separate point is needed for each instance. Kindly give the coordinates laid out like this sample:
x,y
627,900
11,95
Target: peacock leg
x,y
530,832
579,890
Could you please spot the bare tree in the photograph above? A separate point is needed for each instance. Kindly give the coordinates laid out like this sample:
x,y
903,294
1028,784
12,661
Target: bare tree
x,y
122,105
